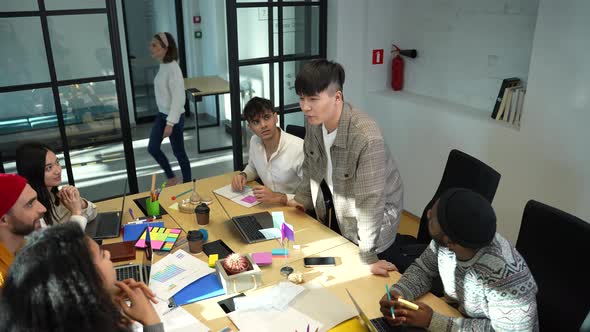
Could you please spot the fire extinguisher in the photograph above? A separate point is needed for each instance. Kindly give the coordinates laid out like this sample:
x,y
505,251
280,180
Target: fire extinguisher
x,y
397,66
397,69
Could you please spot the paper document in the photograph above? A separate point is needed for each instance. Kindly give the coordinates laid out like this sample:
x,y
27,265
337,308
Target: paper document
x,y
313,302
278,297
175,320
244,198
174,272
273,320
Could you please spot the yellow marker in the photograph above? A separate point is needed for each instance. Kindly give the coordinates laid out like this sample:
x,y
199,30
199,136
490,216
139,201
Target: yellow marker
x,y
212,259
407,304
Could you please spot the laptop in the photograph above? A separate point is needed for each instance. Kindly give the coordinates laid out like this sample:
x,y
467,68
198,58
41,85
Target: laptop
x,y
379,324
139,272
250,225
107,224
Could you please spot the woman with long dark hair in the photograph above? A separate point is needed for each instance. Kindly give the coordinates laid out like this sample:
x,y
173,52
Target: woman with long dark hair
x,y
62,281
170,98
41,167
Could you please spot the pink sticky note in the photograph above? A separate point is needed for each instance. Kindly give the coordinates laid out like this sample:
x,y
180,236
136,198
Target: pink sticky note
x,y
262,258
249,199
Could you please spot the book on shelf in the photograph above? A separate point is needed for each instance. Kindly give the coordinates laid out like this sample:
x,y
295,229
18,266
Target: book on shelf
x,y
505,104
514,104
506,83
522,93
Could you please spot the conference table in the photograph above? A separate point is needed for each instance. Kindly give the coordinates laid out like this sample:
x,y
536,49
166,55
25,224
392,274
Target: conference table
x,y
313,238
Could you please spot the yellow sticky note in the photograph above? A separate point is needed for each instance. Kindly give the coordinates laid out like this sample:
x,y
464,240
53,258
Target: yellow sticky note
x,y
212,259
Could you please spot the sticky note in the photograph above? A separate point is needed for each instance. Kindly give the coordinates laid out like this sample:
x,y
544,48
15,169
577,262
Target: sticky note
x,y
277,219
249,199
212,259
280,252
262,258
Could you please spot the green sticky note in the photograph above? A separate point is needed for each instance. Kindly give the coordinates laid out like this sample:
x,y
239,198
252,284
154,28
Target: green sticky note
x,y
278,218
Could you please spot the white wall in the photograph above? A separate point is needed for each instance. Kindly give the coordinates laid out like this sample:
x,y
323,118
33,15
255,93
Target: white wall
x,y
546,160
465,47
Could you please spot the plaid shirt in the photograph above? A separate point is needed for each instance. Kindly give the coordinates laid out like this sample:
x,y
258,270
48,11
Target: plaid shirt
x,y
368,191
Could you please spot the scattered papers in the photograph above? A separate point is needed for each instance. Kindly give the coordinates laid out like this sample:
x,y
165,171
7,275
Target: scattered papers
x,y
244,198
278,297
174,272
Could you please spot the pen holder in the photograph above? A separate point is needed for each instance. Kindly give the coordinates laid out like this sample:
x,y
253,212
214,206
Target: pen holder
x,y
153,208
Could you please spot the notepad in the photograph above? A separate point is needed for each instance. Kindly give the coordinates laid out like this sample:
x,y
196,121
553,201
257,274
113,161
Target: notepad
x,y
161,238
262,258
280,252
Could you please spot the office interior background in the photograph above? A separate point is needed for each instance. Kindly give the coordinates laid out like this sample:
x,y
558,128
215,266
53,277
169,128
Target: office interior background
x,y
77,76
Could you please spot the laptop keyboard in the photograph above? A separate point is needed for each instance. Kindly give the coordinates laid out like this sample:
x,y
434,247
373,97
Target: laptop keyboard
x,y
126,272
381,325
250,226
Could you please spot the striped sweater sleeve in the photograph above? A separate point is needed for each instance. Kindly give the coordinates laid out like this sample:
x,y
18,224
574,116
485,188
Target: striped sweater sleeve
x,y
417,280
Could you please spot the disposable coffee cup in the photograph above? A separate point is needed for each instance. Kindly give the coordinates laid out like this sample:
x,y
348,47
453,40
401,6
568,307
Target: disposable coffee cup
x,y
202,212
195,241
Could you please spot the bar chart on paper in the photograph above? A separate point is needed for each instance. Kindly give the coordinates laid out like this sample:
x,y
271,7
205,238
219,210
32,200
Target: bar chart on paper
x,y
168,273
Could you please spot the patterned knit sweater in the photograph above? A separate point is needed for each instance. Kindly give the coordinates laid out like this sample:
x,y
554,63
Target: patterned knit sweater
x,y
494,290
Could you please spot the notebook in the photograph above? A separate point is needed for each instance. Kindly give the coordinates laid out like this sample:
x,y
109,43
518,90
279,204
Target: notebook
x,y
107,224
249,226
120,251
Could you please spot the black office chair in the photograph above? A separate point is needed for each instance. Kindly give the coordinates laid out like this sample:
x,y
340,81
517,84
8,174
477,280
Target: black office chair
x,y
556,247
461,170
298,131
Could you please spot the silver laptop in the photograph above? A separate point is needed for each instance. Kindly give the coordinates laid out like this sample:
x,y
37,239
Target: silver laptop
x,y
139,272
250,225
107,224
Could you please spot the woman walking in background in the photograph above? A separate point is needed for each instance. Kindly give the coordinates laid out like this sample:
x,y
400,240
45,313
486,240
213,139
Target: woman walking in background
x,y
170,98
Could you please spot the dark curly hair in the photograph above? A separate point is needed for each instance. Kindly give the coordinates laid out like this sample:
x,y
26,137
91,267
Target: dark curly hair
x,y
54,285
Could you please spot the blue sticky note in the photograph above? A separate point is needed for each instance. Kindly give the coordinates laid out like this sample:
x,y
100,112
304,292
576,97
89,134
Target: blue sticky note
x,y
280,252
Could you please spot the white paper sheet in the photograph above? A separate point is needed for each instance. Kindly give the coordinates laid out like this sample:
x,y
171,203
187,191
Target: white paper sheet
x,y
174,272
278,297
278,218
245,197
176,320
313,302
273,320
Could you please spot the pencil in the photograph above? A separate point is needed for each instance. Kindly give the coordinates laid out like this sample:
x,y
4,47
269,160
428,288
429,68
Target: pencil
x,y
389,298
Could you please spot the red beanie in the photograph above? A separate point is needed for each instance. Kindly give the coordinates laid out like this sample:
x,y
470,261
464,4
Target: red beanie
x,y
12,186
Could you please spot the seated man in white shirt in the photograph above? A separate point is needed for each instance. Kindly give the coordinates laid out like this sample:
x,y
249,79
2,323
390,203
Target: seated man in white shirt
x,y
275,156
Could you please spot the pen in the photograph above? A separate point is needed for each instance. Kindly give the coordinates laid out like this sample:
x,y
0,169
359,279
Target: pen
x,y
131,214
389,298
182,193
307,327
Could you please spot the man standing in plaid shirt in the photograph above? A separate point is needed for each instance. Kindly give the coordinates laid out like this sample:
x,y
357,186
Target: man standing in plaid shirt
x,y
349,176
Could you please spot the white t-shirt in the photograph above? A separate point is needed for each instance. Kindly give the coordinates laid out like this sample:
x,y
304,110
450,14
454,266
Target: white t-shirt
x,y
282,172
328,142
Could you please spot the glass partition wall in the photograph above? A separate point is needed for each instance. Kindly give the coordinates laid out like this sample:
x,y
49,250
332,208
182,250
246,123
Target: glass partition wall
x,y
61,84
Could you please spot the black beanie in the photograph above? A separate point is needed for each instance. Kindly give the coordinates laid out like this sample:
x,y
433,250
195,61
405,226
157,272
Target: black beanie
x,y
466,217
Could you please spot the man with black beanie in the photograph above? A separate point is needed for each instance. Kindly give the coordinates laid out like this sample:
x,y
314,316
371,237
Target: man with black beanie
x,y
482,273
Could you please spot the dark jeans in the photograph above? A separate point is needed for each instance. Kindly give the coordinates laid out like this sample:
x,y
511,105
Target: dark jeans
x,y
177,143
